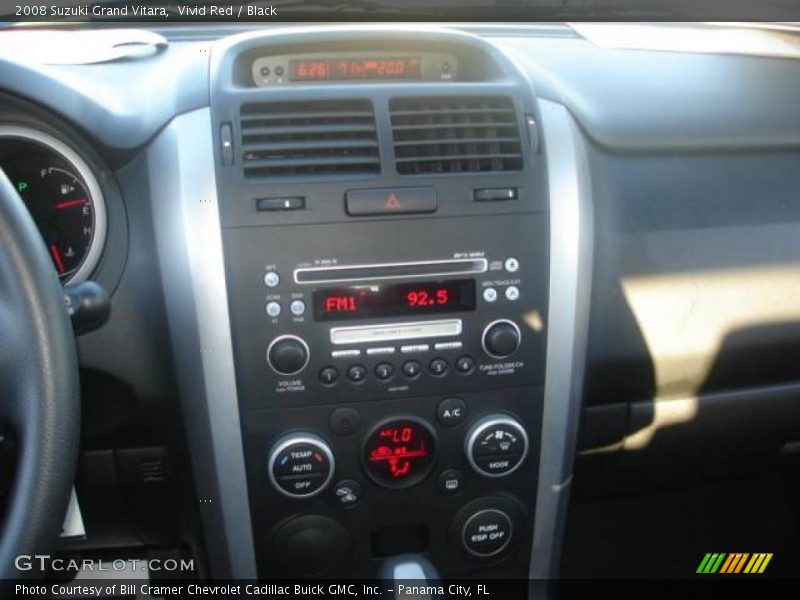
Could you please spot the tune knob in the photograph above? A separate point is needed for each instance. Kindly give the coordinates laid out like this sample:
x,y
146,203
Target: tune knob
x,y
287,354
501,338
496,445
300,465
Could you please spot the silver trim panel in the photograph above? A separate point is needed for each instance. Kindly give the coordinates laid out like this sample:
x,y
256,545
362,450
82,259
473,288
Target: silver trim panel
x,y
415,348
448,346
346,353
183,193
480,265
382,351
98,242
571,231
73,521
391,332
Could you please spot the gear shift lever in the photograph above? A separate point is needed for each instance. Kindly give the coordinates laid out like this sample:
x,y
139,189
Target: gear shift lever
x,y
409,569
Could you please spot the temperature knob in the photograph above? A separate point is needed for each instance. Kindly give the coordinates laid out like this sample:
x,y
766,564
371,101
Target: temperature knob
x,y
300,465
496,445
287,354
501,338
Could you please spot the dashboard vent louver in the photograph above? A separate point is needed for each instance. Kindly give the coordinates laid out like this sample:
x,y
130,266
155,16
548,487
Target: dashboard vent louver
x,y
309,138
151,471
455,135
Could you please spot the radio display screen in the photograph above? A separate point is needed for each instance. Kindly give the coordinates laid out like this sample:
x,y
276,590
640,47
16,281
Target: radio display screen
x,y
394,300
342,69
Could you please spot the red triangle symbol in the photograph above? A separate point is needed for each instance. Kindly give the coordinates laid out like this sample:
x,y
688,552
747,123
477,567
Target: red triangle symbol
x,y
391,202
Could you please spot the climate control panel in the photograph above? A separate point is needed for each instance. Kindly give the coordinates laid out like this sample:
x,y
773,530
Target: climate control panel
x,y
447,476
399,452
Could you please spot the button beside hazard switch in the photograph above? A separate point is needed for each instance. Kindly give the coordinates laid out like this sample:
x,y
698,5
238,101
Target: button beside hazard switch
x,y
389,201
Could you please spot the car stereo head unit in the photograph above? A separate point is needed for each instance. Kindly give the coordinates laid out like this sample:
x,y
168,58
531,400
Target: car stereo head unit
x,y
329,328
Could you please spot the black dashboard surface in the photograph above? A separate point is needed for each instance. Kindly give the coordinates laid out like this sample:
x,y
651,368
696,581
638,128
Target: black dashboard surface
x,y
694,161
637,100
626,100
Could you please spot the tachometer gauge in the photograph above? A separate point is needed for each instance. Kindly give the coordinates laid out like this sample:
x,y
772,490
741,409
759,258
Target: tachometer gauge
x,y
61,194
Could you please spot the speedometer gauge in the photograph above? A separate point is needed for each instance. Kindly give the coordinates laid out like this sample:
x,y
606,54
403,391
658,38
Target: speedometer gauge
x,y
62,196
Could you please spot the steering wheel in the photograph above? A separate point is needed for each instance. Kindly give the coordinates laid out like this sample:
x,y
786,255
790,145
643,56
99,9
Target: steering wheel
x,y
39,391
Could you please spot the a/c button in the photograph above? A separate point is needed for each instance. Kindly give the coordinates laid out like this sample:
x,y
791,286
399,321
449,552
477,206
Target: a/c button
x,y
388,201
451,412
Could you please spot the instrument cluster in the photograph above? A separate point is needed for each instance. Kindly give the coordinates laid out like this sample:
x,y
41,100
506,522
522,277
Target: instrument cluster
x,y
62,194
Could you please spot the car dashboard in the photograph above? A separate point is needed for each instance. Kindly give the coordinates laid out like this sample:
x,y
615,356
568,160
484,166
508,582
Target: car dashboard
x,y
381,290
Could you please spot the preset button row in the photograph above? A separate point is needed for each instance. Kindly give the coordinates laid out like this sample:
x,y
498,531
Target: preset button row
x,y
384,371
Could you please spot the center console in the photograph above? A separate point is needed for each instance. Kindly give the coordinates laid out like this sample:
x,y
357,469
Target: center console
x,y
386,260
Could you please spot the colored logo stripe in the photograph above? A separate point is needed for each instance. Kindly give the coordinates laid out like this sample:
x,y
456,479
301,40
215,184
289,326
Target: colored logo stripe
x,y
758,563
733,563
710,562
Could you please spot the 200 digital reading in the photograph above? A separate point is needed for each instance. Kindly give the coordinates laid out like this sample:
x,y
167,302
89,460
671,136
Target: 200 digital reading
x,y
394,300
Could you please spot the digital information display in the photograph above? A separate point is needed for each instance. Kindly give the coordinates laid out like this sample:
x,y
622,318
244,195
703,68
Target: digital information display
x,y
394,300
340,69
400,453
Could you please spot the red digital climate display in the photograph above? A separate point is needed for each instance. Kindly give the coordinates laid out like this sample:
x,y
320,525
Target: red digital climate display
x,y
400,453
343,69
394,300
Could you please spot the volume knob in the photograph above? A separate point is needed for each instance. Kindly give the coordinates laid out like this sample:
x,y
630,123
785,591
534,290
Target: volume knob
x,y
501,338
287,354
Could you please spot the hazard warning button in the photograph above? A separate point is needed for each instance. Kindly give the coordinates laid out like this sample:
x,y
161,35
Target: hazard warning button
x,y
390,201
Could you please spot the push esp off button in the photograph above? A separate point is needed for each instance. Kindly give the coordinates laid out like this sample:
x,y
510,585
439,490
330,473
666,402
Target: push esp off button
x,y
487,532
487,528
300,465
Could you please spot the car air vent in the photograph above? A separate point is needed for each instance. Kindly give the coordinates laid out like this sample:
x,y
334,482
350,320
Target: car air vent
x,y
455,135
309,138
152,471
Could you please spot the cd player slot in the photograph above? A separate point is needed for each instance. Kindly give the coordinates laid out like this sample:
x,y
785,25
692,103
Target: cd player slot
x,y
389,271
394,332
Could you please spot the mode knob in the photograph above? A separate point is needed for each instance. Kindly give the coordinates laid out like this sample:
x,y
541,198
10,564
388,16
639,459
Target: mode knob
x,y
496,445
300,465
501,338
287,354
